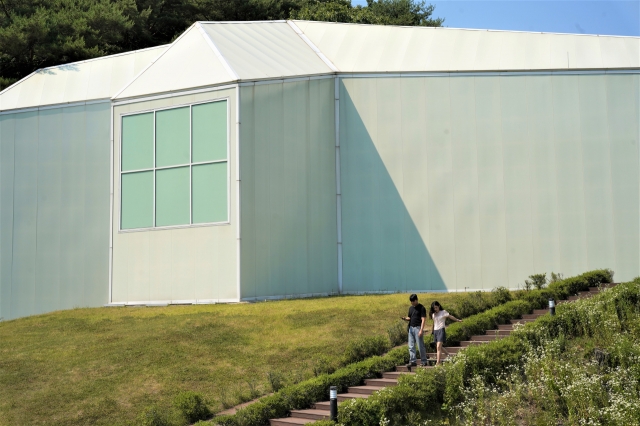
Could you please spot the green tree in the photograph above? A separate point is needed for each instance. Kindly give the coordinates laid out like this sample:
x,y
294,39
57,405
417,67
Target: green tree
x,y
379,12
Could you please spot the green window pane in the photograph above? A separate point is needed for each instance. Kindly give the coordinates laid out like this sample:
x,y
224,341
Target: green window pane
x,y
210,193
137,200
137,141
209,132
172,196
172,137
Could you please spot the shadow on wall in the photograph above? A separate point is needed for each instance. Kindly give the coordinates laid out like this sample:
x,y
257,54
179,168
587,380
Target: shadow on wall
x,y
382,247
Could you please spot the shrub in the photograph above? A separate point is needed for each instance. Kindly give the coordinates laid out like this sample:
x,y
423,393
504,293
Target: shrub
x,y
538,280
500,296
191,406
276,380
153,416
323,364
364,348
397,333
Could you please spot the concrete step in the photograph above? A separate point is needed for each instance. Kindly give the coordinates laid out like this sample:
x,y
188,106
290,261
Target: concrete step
x,y
381,382
347,396
395,374
287,421
364,390
313,414
468,343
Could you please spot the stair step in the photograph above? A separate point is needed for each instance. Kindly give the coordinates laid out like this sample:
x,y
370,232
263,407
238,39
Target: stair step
x,y
324,405
531,316
573,298
404,368
366,390
541,311
505,327
521,321
312,413
286,421
487,337
381,382
498,332
395,374
347,396
467,343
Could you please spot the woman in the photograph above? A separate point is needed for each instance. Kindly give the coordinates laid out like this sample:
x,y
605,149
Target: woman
x,y
439,316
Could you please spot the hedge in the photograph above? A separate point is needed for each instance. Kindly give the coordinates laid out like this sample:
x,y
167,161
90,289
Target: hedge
x,y
432,390
304,394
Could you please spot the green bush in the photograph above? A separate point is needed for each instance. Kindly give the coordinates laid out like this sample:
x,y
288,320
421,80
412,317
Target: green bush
x,y
397,333
153,416
191,406
363,348
500,296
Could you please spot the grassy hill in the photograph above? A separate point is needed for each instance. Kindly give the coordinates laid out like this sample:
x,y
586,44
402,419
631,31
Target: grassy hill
x,y
103,366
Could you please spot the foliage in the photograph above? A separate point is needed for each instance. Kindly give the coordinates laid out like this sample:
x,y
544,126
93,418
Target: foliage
x,y
304,394
379,12
153,416
363,348
537,280
397,333
41,33
191,405
501,295
276,380
482,384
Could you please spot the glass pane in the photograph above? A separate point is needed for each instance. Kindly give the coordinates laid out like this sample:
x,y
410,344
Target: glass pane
x,y
172,196
137,200
137,141
209,132
172,137
210,193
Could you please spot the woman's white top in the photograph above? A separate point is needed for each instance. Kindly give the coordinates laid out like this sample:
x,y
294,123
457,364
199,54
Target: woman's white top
x,y
439,318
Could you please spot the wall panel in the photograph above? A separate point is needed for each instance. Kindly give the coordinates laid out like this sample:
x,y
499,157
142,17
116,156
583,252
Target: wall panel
x,y
288,189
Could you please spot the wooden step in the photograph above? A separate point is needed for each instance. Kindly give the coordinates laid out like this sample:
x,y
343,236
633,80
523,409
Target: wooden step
x,y
365,390
531,316
347,396
487,337
313,414
541,311
325,405
505,327
396,374
498,332
289,421
468,343
381,382
573,298
521,321
404,368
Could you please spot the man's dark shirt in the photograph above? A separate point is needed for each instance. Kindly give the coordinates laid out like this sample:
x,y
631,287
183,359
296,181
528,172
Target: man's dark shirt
x,y
416,314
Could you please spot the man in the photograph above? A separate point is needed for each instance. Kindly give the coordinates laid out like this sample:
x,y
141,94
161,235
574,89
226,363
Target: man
x,y
416,318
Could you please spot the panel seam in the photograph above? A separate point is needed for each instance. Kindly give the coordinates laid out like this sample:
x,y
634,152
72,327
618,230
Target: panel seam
x,y
217,52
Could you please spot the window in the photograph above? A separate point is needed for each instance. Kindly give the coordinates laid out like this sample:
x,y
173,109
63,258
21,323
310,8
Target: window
x,y
174,167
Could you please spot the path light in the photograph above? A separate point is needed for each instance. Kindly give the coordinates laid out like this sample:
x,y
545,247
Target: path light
x,y
552,306
333,397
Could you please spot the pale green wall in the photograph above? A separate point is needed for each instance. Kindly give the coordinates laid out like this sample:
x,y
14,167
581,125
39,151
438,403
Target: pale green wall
x,y
54,209
480,181
288,192
195,263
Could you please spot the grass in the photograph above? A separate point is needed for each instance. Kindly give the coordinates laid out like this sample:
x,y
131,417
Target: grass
x,y
103,366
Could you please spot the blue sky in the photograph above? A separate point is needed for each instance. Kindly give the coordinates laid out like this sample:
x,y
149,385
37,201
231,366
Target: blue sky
x,y
611,17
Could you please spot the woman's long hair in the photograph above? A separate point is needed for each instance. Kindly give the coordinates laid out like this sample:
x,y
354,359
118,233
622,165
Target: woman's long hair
x,y
432,309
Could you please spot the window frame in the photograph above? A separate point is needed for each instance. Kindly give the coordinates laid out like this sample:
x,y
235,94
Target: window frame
x,y
153,169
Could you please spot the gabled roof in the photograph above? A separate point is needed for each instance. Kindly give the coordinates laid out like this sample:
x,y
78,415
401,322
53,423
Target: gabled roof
x,y
93,79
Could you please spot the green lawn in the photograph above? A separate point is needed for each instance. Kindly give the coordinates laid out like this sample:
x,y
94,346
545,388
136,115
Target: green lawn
x,y
105,365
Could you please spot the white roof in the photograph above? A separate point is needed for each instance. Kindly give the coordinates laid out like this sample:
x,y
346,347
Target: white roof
x,y
377,48
93,79
214,53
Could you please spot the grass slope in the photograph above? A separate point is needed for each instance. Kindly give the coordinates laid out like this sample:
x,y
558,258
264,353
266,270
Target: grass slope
x,y
104,366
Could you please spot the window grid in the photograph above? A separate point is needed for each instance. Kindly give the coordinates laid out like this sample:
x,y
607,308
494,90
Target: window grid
x,y
190,165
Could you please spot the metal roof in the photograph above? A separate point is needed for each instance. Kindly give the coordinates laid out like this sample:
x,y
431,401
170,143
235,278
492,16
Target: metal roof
x,y
213,53
376,48
93,79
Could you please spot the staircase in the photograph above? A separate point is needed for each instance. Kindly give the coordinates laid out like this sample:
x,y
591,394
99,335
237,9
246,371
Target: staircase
x,y
320,410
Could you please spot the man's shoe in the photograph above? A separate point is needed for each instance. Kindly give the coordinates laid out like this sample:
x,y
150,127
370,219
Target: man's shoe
x,y
412,364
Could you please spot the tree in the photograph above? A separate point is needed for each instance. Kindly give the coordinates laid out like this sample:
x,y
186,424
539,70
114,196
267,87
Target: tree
x,y
379,12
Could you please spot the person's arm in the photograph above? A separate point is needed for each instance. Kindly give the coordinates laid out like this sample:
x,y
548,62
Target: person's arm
x,y
421,326
455,319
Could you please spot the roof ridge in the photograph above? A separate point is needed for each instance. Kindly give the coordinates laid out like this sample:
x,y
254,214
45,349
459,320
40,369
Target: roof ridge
x,y
227,66
313,47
